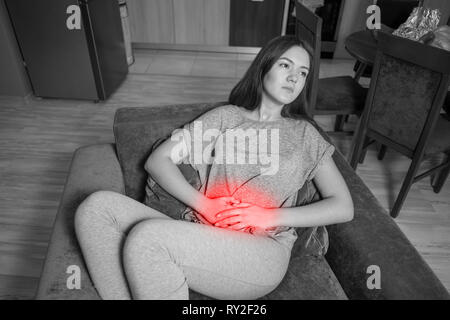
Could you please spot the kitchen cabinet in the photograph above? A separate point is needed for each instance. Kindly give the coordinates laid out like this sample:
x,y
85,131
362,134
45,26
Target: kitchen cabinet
x,y
151,21
255,22
201,21
197,22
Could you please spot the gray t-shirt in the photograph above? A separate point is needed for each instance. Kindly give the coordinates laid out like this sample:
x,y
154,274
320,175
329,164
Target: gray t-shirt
x,y
263,163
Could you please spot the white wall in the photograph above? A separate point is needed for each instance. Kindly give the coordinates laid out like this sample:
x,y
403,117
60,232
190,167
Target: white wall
x,y
353,19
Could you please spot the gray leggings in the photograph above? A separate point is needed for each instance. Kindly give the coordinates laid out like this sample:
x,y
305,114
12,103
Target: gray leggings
x,y
132,250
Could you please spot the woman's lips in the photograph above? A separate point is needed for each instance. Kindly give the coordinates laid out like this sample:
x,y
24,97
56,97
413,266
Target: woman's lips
x,y
291,90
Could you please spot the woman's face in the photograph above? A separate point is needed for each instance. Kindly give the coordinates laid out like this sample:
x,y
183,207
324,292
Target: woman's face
x,y
286,79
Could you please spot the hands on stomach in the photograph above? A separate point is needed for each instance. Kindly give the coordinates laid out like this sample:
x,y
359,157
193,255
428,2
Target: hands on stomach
x,y
230,213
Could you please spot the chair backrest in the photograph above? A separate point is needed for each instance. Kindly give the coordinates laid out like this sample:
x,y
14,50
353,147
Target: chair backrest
x,y
407,90
396,12
308,28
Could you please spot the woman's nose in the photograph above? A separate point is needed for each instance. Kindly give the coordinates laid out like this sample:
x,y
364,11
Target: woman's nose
x,y
293,77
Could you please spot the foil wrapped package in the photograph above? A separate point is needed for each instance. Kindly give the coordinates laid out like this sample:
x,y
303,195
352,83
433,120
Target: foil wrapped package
x,y
420,22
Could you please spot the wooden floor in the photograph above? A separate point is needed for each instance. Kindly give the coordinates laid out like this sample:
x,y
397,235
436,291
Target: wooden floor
x,y
39,136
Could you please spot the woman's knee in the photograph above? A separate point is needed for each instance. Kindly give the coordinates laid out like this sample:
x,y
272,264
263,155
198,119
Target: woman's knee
x,y
146,240
92,207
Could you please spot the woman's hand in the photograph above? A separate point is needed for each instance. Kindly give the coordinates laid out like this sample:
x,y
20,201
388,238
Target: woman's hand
x,y
245,217
209,208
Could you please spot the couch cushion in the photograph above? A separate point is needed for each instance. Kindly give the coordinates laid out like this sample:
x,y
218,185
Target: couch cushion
x,y
93,168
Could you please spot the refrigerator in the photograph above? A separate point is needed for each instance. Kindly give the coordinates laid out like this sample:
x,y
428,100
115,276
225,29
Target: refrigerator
x,y
71,49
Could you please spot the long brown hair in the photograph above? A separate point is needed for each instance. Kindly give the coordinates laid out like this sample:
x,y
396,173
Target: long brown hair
x,y
248,91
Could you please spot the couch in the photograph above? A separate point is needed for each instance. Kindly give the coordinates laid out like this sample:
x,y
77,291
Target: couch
x,y
368,249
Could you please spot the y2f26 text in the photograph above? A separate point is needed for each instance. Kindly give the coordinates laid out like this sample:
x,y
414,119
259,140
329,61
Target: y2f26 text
x,y
231,309
246,309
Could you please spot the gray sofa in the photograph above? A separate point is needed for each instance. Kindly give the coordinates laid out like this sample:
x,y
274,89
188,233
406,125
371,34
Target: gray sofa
x,y
372,238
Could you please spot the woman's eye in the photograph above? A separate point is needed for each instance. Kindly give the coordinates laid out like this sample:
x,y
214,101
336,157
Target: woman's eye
x,y
304,74
284,65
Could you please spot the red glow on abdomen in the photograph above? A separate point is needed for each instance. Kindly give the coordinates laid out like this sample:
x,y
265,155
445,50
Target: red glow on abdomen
x,y
245,194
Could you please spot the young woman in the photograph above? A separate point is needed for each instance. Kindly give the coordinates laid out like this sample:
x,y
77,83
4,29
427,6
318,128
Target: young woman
x,y
240,247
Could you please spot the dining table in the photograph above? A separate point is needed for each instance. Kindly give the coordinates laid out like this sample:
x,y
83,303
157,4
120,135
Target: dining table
x,y
362,45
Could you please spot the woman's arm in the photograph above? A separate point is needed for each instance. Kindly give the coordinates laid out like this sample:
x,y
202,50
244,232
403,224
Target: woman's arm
x,y
162,166
335,207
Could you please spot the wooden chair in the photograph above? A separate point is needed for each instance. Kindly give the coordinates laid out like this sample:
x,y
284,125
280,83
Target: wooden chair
x,y
408,87
338,96
445,107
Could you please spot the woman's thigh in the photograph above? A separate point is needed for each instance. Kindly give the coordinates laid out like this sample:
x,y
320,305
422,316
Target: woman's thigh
x,y
220,263
102,222
113,209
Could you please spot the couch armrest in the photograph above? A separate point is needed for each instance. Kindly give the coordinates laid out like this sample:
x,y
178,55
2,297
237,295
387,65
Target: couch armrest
x,y
373,238
93,168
